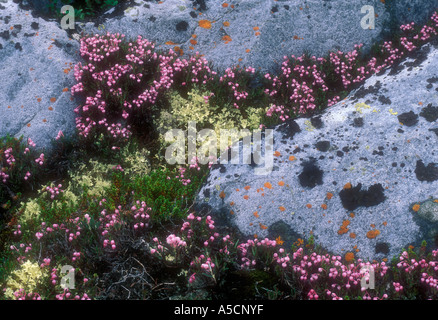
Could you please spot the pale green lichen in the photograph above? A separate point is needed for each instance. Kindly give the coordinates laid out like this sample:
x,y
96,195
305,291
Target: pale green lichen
x,y
27,277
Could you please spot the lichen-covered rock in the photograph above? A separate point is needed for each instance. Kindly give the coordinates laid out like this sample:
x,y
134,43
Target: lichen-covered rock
x,y
348,176
259,33
36,68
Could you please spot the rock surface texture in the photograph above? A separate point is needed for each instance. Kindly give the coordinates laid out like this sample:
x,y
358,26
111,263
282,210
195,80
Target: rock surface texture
x,y
258,33
36,68
361,177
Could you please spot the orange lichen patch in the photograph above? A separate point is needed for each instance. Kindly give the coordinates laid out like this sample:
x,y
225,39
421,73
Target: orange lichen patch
x,y
309,205
299,242
263,227
248,50
385,223
372,234
193,42
191,48
256,28
263,194
385,259
344,227
329,195
226,23
251,224
268,185
292,158
9,107
194,36
352,215
224,5
232,212
324,206
66,71
279,241
237,190
372,225
51,108
28,125
256,214
416,207
349,256
347,186
176,48
352,235
257,34
247,188
222,195
277,154
50,47
232,6
44,120
246,197
281,183
206,24
12,28
420,103
255,235
411,247
227,38
52,100
39,99
232,203
65,90
282,208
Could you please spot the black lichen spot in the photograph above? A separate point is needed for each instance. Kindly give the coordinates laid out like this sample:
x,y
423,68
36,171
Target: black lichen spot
x,y
286,7
1,47
434,131
5,35
200,4
358,122
289,129
408,118
362,92
152,19
35,25
432,80
382,247
193,14
322,146
385,100
18,46
311,175
182,26
339,153
274,9
429,113
316,122
429,173
354,197
207,193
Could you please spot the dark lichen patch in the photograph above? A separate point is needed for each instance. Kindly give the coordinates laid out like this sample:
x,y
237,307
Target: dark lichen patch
x,y
5,35
362,92
289,129
429,173
18,46
339,153
429,113
182,26
408,118
207,193
316,122
322,146
200,4
35,25
382,247
358,122
353,197
432,80
311,174
385,100
435,130
193,14
221,167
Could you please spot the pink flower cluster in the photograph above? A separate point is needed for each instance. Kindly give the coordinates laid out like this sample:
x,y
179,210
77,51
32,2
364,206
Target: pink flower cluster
x,y
54,190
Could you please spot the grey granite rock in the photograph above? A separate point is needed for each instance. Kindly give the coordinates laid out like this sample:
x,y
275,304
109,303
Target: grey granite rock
x,y
352,184
36,68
